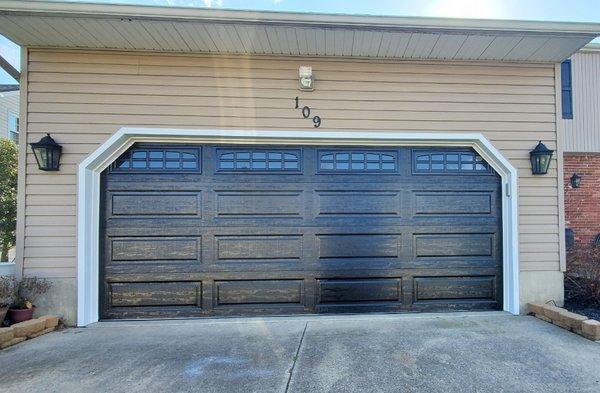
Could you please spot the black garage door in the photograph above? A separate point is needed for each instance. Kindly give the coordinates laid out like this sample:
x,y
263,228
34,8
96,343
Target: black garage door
x,y
232,230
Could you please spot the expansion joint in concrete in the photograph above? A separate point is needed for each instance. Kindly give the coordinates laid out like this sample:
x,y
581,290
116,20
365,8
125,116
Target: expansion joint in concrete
x,y
287,385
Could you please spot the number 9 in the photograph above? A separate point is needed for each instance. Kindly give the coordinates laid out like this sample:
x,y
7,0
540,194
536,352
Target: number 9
x,y
317,121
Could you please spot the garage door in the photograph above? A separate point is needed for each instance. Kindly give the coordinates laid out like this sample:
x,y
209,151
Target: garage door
x,y
231,230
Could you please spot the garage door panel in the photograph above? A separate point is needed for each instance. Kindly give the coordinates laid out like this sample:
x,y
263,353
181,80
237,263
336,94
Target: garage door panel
x,y
453,245
454,203
452,288
353,265
358,246
155,249
154,227
156,183
456,306
155,271
130,294
257,292
154,312
462,225
452,265
312,272
357,203
255,247
362,290
254,238
253,182
424,182
259,204
156,204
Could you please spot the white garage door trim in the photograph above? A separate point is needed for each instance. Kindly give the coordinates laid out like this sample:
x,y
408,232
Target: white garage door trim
x,y
88,207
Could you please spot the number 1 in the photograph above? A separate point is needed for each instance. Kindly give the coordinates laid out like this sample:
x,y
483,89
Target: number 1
x,y
297,106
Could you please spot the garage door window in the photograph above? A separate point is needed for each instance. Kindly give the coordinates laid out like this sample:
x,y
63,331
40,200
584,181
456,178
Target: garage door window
x,y
357,161
258,160
439,162
158,160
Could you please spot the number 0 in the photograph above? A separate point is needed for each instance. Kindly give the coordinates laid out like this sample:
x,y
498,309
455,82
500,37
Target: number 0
x,y
306,112
317,121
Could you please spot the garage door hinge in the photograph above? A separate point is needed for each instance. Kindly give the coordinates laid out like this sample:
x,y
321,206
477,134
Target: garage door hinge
x,y
507,189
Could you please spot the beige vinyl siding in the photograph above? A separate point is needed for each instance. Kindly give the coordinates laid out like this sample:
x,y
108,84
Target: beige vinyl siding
x,y
582,133
84,97
9,103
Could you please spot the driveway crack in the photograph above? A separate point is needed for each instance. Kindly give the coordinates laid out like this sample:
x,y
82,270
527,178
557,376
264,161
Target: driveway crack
x,y
291,371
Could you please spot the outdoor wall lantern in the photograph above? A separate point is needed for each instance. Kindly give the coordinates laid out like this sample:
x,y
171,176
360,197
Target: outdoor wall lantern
x,y
47,153
540,159
575,180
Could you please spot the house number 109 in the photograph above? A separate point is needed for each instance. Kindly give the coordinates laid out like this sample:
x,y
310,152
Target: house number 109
x,y
306,113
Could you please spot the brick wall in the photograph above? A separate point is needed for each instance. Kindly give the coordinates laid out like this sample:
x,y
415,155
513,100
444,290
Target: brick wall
x,y
582,205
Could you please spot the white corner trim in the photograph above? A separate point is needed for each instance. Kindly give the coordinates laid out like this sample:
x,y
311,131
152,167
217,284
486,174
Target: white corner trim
x,y
88,191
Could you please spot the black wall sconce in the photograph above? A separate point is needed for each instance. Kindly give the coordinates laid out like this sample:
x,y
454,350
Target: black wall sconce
x,y
575,180
47,153
540,159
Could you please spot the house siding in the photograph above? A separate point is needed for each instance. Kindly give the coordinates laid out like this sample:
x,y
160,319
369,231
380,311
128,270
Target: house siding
x,y
82,98
9,103
582,133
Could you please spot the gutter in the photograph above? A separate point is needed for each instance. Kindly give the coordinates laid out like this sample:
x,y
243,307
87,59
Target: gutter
x,y
47,8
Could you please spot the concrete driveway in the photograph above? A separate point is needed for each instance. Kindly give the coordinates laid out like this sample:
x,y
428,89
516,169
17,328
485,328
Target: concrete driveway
x,y
471,352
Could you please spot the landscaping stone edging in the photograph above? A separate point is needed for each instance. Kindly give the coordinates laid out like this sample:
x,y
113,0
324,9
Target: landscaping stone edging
x,y
580,324
22,331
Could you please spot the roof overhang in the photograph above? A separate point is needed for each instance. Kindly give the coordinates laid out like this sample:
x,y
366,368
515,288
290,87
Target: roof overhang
x,y
179,29
592,47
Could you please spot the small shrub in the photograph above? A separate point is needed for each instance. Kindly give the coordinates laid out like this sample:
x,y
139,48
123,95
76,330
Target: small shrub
x,y
27,291
7,290
8,196
582,278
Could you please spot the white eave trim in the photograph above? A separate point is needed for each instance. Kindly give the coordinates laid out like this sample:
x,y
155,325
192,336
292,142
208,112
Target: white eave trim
x,y
88,193
298,18
46,24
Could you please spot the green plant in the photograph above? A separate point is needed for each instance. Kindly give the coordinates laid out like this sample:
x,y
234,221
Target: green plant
x,y
7,290
8,196
582,278
26,292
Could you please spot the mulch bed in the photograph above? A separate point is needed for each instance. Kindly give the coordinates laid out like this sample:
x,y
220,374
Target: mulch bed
x,y
592,312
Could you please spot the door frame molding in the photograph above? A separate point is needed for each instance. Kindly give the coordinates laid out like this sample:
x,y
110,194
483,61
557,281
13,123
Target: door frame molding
x,y
88,189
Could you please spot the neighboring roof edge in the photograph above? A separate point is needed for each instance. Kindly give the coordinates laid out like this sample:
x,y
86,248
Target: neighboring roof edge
x,y
8,88
591,47
293,18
